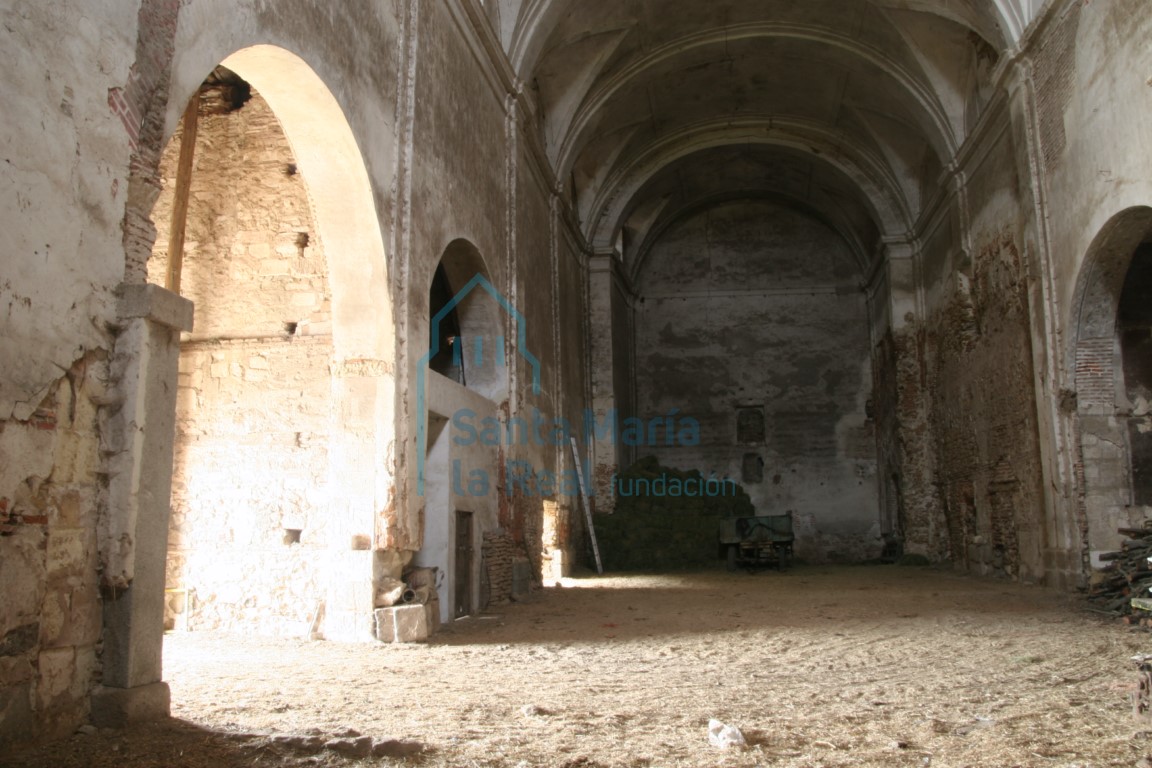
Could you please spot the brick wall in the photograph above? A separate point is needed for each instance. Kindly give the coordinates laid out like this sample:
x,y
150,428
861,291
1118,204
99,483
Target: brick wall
x,y
1054,65
141,106
984,414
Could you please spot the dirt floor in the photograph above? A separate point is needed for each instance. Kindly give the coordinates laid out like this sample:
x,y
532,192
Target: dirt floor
x,y
846,666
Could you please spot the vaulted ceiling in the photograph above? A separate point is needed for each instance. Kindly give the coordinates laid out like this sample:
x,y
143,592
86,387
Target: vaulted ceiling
x,y
849,109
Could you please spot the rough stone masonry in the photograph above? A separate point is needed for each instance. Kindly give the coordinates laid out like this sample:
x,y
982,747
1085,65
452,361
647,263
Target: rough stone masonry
x,y
892,258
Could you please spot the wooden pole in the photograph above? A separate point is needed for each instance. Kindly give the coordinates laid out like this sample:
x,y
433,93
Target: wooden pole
x,y
587,509
180,201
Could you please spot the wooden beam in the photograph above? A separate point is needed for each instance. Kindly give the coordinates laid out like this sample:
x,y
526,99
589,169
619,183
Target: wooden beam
x,y
180,200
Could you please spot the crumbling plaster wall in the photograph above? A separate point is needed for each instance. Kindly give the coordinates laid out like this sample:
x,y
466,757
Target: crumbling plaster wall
x,y
967,459
498,197
979,351
420,95
1006,265
446,148
64,181
753,305
1094,120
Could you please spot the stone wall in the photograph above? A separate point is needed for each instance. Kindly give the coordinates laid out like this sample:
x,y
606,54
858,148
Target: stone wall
x,y
64,179
50,619
976,390
248,532
751,322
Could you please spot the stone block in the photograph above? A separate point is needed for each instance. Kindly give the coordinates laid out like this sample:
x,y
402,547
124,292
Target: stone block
x,y
14,671
16,719
402,624
118,707
155,303
385,625
57,668
388,592
67,554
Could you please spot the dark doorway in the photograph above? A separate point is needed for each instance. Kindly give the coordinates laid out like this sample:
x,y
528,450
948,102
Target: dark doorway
x,y
463,605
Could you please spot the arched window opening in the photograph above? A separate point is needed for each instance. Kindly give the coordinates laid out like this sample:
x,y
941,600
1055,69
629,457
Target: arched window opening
x,y
1134,332
466,333
444,337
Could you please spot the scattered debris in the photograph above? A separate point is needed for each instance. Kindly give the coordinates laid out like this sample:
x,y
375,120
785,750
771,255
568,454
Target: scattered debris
x,y
1142,693
394,748
359,747
724,736
307,744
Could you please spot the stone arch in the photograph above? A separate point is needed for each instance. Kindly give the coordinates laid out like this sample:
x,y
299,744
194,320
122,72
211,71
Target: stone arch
x,y
362,373
462,385
341,192
1106,422
472,322
356,485
605,212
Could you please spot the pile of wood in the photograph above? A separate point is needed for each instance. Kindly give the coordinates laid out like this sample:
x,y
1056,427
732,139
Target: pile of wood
x,y
1122,588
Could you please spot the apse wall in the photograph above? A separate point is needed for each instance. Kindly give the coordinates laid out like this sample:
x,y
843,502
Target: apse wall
x,y
750,321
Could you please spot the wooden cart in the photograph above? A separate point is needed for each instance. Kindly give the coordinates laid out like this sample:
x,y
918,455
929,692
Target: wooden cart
x,y
757,542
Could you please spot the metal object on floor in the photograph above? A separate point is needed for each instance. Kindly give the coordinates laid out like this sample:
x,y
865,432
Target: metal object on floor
x,y
757,542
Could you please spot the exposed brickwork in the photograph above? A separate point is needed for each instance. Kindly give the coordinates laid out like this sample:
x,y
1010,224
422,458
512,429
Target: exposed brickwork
x,y
141,106
147,79
1095,373
498,552
1054,71
908,440
985,415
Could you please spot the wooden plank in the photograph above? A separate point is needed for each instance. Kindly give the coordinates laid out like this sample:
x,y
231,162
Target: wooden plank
x,y
1142,603
180,200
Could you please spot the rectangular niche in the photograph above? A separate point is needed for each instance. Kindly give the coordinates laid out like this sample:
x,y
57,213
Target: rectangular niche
x,y
752,469
750,425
